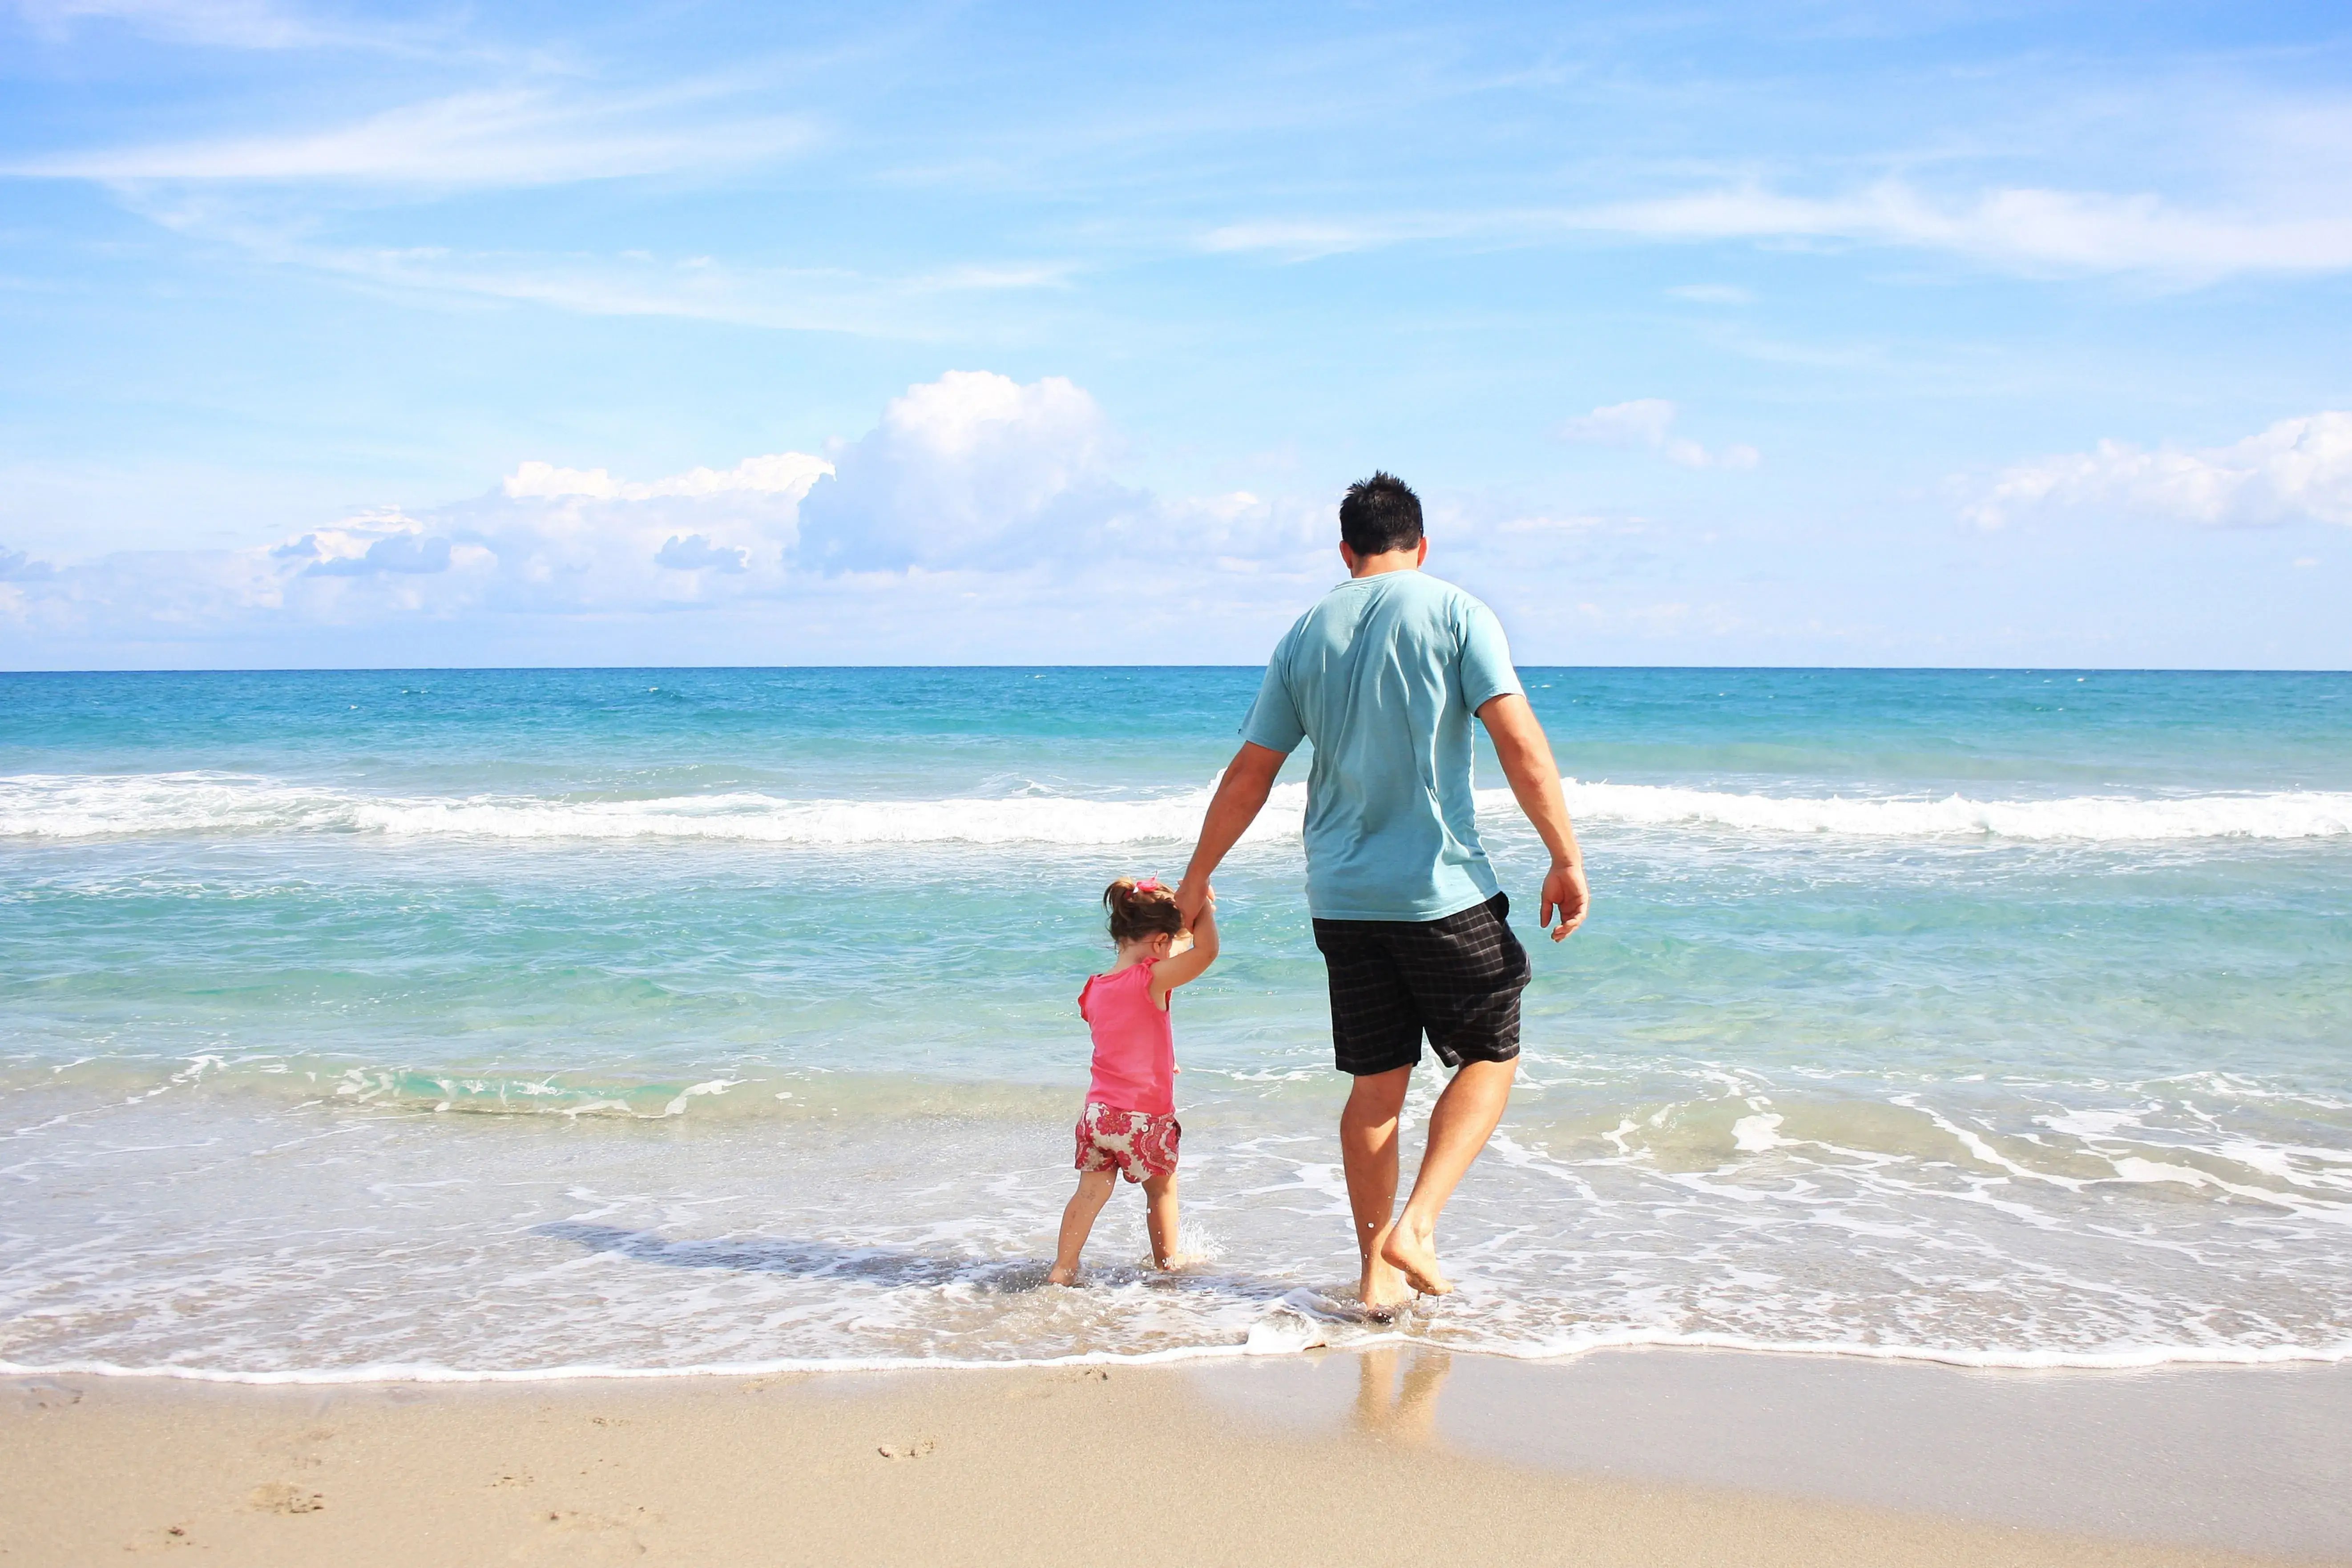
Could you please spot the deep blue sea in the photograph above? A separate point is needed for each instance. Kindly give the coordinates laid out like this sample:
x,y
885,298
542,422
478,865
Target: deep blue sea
x,y
499,1023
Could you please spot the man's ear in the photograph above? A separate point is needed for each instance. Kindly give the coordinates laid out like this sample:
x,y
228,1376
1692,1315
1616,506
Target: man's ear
x,y
1421,557
1347,555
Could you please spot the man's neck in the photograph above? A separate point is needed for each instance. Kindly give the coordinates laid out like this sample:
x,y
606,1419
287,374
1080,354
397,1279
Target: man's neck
x,y
1390,560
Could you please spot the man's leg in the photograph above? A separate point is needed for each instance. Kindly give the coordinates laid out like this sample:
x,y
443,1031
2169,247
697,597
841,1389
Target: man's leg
x,y
1368,1150
1465,1116
1465,974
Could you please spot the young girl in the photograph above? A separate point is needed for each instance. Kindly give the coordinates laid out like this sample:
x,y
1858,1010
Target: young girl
x,y
1128,1127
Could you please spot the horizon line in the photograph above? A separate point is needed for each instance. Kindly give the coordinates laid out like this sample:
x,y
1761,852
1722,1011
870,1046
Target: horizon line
x,y
719,668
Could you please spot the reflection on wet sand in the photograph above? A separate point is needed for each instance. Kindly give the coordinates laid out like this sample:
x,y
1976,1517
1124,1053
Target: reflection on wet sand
x,y
1388,1405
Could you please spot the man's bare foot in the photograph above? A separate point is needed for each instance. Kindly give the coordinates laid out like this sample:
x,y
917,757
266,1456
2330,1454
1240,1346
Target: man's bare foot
x,y
1383,1288
1413,1256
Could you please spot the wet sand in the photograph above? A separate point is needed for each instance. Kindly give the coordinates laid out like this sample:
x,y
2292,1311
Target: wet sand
x,y
1404,1452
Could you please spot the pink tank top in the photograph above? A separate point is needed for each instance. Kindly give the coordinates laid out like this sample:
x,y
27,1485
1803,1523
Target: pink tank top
x,y
1135,1043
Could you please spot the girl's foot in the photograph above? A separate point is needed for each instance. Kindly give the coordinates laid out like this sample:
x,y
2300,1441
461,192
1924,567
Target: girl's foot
x,y
1058,1274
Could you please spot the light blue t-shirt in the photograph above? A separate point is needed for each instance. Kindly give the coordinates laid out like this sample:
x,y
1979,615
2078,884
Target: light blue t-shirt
x,y
1384,676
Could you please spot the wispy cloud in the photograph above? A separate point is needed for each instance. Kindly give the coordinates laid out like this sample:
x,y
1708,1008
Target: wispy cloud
x,y
1712,294
911,307
788,473
2071,230
2022,229
2297,470
929,304
527,135
220,24
1308,239
1649,422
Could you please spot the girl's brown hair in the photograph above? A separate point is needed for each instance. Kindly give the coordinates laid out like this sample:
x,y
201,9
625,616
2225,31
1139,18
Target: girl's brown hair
x,y
1139,909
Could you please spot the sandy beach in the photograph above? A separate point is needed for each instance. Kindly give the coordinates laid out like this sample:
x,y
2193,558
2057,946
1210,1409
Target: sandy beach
x,y
1631,1458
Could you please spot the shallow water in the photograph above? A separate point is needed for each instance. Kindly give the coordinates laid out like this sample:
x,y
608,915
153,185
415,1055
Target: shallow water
x,y
495,1023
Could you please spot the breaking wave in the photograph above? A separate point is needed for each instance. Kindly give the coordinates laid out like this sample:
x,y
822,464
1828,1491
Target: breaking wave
x,y
209,804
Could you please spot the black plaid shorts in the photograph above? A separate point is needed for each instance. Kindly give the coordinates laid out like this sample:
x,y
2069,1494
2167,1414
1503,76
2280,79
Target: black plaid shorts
x,y
1458,979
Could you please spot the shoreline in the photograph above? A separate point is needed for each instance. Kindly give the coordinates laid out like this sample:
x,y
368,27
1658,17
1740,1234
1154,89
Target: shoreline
x,y
1632,1456
2198,1358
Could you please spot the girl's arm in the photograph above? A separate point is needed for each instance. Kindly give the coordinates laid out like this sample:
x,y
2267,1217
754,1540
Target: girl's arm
x,y
1170,973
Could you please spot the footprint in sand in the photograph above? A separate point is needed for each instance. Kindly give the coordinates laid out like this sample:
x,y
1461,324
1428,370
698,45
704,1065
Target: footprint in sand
x,y
300,1449
920,1448
162,1541
574,1536
782,1379
277,1497
46,1396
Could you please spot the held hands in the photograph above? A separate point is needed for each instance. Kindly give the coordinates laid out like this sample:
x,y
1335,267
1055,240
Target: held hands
x,y
1191,897
1564,890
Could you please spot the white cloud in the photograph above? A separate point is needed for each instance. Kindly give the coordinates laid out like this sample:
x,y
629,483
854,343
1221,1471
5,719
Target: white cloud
x,y
18,563
225,24
511,136
1642,422
692,553
781,473
972,474
2297,470
548,543
917,305
2090,231
409,553
1648,422
1576,525
2017,228
1712,294
933,302
964,470
980,519
1307,240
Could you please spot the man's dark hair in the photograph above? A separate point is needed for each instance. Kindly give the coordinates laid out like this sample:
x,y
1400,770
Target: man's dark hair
x,y
1380,514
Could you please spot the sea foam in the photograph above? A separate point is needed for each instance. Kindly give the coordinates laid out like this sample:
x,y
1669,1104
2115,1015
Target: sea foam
x,y
214,805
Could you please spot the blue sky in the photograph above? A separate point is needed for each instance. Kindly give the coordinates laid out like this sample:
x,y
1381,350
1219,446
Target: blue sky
x,y
1802,333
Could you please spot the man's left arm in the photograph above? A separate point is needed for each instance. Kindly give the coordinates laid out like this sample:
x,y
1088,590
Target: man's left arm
x,y
1241,795
1526,760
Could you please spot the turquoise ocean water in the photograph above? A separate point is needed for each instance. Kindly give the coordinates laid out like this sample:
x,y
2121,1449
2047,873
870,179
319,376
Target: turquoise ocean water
x,y
500,1023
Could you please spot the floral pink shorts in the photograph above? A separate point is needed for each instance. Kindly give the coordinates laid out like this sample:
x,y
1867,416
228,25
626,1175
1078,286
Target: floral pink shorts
x,y
1131,1143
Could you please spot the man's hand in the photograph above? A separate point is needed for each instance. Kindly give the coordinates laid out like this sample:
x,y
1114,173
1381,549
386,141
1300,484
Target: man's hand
x,y
1191,897
1564,890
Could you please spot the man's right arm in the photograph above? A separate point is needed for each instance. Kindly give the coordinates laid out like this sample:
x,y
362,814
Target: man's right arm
x,y
1241,795
1527,759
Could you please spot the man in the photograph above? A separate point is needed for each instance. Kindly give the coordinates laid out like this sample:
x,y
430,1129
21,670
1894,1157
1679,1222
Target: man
x,y
1384,675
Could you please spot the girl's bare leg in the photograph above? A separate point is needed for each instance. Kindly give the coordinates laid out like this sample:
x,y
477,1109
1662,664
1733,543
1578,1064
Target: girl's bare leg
x,y
1160,1218
1079,1221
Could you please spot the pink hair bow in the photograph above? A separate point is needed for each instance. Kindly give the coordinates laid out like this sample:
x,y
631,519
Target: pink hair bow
x,y
1148,885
